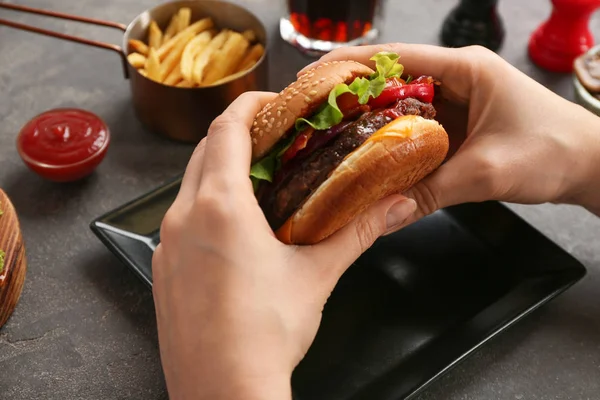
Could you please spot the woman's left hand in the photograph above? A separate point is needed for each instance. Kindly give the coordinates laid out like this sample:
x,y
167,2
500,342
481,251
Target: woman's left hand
x,y
237,309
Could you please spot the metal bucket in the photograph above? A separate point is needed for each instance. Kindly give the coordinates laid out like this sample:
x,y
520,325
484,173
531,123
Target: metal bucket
x,y
180,113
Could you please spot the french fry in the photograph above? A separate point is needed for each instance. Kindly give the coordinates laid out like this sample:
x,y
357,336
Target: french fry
x,y
191,54
229,78
244,68
251,57
185,83
184,17
173,77
195,28
205,56
155,35
226,58
152,66
191,51
249,35
138,46
136,60
171,28
172,59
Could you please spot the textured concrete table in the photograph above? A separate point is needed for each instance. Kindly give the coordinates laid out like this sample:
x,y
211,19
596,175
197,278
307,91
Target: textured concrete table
x,y
85,328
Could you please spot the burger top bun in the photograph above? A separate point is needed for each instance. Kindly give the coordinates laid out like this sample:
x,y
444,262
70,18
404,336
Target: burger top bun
x,y
392,160
300,99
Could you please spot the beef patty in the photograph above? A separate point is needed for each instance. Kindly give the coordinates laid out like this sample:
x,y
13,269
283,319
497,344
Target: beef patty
x,y
284,196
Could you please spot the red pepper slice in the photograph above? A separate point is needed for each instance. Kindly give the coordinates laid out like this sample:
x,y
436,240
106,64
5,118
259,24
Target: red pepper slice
x,y
347,101
421,91
423,79
395,81
299,143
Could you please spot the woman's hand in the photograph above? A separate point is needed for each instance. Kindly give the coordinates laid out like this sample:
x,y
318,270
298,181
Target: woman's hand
x,y
236,308
516,140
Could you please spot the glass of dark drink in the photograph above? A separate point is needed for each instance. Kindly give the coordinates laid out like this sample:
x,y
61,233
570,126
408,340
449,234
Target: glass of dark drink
x,y
319,26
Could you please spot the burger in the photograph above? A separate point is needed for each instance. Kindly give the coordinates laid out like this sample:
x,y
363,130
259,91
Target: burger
x,y
339,138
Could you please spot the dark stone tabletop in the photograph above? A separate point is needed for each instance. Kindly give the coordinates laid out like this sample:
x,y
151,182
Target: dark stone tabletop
x,y
85,328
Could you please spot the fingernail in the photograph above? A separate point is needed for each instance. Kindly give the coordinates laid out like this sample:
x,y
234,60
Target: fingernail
x,y
399,213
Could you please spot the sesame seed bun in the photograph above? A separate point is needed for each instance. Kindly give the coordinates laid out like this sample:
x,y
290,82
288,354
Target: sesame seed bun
x,y
299,99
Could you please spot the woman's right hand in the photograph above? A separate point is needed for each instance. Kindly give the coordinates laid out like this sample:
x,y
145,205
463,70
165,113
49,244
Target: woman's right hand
x,y
513,139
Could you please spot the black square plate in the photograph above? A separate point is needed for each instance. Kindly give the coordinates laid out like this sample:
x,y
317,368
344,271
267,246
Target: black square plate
x,y
413,306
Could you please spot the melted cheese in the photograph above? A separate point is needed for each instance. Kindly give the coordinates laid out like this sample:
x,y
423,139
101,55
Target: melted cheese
x,y
399,128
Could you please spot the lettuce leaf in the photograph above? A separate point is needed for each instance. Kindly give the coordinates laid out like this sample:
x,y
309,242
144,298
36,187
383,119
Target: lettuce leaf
x,y
386,66
2,255
329,114
264,169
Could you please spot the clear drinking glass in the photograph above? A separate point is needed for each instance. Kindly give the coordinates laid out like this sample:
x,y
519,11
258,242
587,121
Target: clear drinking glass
x,y
319,26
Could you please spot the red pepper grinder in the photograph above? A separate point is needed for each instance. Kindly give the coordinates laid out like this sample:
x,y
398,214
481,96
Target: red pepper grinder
x,y
564,36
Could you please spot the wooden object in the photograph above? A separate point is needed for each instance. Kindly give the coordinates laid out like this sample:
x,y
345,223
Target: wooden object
x,y
12,276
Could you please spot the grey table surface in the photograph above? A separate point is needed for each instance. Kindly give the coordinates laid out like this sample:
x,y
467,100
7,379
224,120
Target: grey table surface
x,y
85,328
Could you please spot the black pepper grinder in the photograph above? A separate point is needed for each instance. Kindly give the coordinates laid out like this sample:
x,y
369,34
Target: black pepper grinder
x,y
473,22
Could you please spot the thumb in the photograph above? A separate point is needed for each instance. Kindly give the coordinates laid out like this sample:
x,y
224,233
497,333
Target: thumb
x,y
470,176
340,250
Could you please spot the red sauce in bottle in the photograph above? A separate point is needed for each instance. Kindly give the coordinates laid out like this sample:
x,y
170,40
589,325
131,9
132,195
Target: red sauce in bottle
x,y
64,144
332,20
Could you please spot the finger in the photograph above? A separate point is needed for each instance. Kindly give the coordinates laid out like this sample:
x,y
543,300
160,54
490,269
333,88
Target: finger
x,y
340,250
467,177
191,177
228,152
449,65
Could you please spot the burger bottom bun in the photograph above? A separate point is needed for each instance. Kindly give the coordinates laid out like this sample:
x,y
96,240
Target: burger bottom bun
x,y
392,160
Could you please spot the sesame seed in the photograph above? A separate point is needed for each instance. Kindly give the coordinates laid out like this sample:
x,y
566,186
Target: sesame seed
x,y
315,83
278,124
255,130
254,141
311,75
322,80
255,123
279,113
288,98
285,121
264,121
307,99
269,113
284,104
267,129
312,92
260,133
